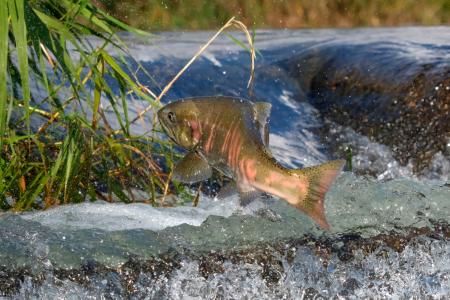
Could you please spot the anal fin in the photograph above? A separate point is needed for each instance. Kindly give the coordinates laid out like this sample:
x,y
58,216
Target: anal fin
x,y
247,194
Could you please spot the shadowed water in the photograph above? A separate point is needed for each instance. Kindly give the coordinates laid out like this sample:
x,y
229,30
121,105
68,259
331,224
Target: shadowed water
x,y
330,90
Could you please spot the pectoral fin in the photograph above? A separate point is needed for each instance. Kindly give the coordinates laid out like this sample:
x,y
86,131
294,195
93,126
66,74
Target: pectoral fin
x,y
262,113
192,168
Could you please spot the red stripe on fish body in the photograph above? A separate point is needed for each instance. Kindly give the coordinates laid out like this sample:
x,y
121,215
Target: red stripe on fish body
x,y
196,130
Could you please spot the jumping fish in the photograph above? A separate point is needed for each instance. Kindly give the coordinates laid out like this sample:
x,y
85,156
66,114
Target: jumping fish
x,y
231,135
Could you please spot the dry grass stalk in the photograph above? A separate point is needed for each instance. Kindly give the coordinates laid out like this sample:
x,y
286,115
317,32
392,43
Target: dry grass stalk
x,y
232,22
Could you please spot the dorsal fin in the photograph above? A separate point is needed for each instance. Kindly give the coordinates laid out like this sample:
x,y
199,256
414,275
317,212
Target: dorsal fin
x,y
262,113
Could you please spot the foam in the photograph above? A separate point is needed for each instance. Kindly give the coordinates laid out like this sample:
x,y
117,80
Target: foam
x,y
120,216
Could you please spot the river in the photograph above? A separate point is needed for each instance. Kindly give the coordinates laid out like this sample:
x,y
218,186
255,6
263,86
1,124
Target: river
x,y
384,93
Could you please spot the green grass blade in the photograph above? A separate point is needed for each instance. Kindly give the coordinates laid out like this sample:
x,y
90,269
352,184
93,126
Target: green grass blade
x,y
113,64
242,45
8,175
3,70
125,108
120,24
42,35
97,92
69,167
99,18
33,190
17,12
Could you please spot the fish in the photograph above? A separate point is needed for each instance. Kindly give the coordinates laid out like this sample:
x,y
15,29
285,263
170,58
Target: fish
x,y
231,135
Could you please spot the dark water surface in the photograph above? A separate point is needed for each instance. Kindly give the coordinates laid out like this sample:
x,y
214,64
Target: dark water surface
x,y
385,93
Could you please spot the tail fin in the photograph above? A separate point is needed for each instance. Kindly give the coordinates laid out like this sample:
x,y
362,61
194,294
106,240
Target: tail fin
x,y
320,179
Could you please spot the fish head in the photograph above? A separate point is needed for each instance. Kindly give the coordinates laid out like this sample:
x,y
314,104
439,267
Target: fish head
x,y
180,122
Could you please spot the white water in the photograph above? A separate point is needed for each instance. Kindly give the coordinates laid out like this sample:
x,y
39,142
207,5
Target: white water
x,y
120,216
421,270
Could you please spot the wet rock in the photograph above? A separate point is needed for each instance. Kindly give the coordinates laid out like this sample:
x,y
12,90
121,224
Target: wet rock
x,y
163,264
349,287
345,254
130,272
351,284
311,294
211,264
11,280
269,214
272,271
85,274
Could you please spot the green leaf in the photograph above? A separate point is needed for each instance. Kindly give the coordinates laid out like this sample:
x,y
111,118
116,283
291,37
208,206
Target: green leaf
x,y
241,44
41,34
4,24
17,12
34,189
97,92
113,64
69,166
122,25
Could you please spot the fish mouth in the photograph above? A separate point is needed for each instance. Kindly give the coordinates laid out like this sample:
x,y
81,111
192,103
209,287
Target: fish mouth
x,y
159,113
162,121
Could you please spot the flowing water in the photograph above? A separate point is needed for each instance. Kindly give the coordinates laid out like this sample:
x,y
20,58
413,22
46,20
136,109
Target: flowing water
x,y
384,93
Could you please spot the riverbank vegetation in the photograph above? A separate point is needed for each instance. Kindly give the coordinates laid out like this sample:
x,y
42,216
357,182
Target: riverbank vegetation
x,y
56,143
65,124
201,14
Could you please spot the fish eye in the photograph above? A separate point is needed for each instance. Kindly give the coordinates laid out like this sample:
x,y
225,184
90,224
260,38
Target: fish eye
x,y
171,116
